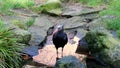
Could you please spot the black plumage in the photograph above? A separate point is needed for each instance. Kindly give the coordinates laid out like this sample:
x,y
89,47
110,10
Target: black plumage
x,y
59,38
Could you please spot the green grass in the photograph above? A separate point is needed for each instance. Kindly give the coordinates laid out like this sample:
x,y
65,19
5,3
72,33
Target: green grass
x,y
30,22
118,33
94,2
113,24
112,9
6,5
24,25
22,3
9,50
20,24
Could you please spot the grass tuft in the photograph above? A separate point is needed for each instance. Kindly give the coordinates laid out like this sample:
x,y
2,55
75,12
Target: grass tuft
x,y
94,2
6,5
112,9
9,50
30,22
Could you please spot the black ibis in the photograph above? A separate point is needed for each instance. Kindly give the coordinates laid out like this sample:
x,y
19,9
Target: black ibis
x,y
59,38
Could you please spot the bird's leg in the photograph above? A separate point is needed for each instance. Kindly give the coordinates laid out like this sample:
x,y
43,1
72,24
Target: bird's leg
x,y
57,54
62,52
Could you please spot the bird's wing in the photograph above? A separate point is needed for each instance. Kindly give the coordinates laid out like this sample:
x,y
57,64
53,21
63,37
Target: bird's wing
x,y
65,37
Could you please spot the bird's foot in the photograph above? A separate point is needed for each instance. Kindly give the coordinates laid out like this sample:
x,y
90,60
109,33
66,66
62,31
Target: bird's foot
x,y
73,42
57,58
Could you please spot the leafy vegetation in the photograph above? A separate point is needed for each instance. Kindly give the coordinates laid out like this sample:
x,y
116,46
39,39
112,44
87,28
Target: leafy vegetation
x,y
118,33
9,51
113,24
6,5
112,9
95,41
30,22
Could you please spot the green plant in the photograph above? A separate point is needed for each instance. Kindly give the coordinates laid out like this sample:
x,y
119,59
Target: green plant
x,y
118,33
20,24
30,22
95,41
94,2
6,5
9,51
112,9
22,3
113,24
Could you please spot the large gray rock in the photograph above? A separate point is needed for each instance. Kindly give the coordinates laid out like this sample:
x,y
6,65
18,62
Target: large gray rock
x,y
69,62
39,29
23,36
73,22
78,9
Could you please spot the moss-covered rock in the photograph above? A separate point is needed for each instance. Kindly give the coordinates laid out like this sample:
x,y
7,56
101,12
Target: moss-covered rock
x,y
23,36
69,62
102,43
116,64
51,6
104,46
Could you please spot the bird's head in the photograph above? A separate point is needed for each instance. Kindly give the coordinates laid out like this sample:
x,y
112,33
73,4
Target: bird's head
x,y
58,28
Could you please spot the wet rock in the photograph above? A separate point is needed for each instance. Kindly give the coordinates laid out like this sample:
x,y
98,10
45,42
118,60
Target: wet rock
x,y
37,35
82,47
39,30
73,22
31,50
78,9
69,62
81,33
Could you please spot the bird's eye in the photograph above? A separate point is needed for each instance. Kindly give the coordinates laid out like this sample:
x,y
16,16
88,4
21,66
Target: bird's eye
x,y
59,28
